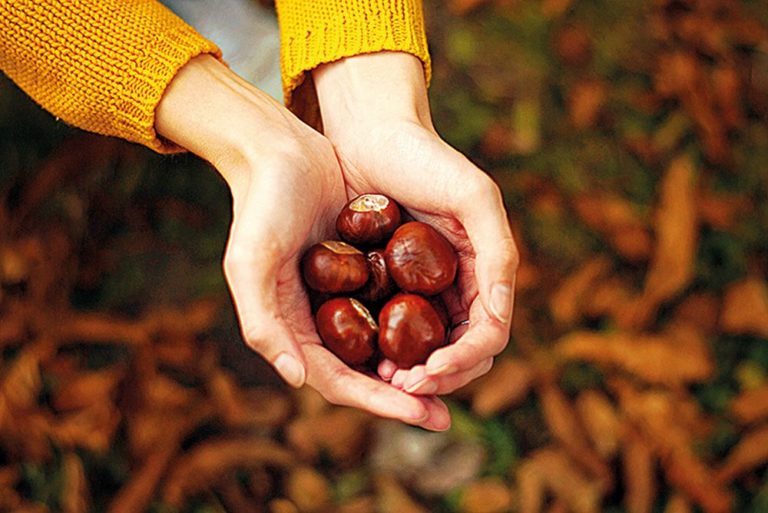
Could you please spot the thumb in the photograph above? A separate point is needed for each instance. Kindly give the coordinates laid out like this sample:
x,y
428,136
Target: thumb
x,y
252,278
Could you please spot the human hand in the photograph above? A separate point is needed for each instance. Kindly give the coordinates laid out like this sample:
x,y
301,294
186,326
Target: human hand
x,y
376,113
287,189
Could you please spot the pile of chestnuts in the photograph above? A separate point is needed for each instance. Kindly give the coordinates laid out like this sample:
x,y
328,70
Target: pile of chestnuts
x,y
382,271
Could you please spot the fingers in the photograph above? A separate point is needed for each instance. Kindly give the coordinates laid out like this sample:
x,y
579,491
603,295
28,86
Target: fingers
x,y
343,386
496,256
254,260
416,381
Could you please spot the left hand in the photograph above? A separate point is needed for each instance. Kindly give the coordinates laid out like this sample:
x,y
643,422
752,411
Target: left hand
x,y
376,113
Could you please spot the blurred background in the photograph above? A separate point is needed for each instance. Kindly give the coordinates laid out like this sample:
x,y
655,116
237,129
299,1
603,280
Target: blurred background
x,y
630,139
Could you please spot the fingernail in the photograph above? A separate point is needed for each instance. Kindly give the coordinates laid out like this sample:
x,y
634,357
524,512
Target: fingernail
x,y
424,387
290,369
501,302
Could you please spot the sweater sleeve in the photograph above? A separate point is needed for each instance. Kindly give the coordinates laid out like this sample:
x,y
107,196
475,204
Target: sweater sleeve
x,y
313,32
100,65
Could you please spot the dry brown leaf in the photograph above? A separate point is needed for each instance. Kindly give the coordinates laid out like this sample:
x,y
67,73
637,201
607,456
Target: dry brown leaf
x,y
138,492
563,422
750,452
86,389
308,489
242,408
657,416
550,469
205,463
678,357
639,474
488,495
745,308
601,421
751,405
608,298
75,496
671,267
234,498
568,300
358,505
585,101
91,428
391,497
342,432
719,210
282,506
618,221
678,504
506,385
699,310
99,328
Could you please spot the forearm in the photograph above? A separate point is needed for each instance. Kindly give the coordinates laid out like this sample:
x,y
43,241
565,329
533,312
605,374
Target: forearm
x,y
101,65
380,87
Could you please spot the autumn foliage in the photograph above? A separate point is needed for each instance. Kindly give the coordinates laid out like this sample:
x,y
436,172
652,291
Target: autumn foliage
x,y
630,141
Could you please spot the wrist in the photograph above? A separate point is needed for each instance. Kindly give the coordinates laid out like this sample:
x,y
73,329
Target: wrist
x,y
210,111
375,88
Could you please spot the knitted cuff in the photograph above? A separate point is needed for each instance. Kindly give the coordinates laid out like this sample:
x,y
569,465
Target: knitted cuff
x,y
100,65
314,32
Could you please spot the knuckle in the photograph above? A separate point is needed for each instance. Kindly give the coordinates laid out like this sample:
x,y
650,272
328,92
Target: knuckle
x,y
255,338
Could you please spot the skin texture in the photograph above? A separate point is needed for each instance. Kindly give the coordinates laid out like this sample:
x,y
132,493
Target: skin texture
x,y
213,113
394,149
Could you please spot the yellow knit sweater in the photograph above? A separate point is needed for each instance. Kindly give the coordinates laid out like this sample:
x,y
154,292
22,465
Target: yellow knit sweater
x,y
103,65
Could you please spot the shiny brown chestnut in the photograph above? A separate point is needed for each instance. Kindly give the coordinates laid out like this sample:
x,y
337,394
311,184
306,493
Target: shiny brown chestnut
x,y
368,219
420,259
409,330
332,266
347,328
379,285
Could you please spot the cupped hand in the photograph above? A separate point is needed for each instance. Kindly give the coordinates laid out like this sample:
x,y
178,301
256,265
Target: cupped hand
x,y
376,114
287,189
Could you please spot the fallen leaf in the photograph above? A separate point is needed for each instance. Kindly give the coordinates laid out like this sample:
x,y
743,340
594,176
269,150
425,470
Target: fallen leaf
x,y
488,495
657,417
505,386
585,101
601,421
676,228
282,506
678,357
568,300
75,496
750,452
638,463
618,221
308,489
563,422
549,469
207,462
751,405
678,504
341,432
745,308
392,497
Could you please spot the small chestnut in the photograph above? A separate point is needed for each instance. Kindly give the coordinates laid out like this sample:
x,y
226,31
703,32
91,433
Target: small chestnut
x,y
409,330
347,328
420,259
332,266
379,286
368,219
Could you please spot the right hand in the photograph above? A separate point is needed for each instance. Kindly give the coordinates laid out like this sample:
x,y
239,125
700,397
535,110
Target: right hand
x,y
287,189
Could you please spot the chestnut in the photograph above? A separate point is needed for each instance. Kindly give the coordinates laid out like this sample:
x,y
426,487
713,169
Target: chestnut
x,y
420,259
333,266
409,330
379,286
368,219
347,328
